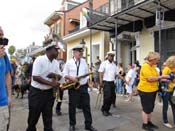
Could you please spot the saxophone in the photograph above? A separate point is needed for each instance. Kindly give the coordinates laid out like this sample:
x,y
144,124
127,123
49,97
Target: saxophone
x,y
56,92
75,85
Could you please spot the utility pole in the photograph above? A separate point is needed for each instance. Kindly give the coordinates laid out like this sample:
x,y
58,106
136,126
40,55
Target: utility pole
x,y
159,19
116,39
91,9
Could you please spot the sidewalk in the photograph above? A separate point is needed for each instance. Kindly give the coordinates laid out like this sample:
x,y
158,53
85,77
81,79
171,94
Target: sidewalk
x,y
130,116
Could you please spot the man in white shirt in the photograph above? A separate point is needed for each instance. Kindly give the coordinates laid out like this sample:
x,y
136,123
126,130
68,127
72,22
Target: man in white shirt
x,y
73,68
41,98
107,74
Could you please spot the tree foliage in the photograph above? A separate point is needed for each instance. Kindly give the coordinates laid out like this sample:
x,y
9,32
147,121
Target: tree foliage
x,y
11,50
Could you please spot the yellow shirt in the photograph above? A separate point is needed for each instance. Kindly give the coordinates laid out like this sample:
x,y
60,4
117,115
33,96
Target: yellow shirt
x,y
167,71
148,71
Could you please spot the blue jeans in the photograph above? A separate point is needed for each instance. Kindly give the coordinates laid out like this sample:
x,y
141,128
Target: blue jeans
x,y
167,98
119,88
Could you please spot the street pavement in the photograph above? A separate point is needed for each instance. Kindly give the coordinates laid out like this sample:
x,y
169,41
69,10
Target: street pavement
x,y
126,116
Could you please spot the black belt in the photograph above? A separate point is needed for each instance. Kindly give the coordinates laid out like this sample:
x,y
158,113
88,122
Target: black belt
x,y
84,84
108,81
37,89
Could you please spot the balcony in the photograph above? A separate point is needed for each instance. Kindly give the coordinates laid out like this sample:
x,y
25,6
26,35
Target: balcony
x,y
120,5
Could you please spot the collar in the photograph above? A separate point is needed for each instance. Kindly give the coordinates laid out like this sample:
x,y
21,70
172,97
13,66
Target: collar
x,y
46,57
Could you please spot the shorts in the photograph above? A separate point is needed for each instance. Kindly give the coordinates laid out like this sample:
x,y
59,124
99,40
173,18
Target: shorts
x,y
147,101
128,89
4,117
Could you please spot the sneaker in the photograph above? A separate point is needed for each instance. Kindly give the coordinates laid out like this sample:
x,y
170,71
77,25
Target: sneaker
x,y
150,124
146,127
128,100
168,125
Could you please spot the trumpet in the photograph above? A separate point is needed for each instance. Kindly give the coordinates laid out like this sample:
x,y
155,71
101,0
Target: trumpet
x,y
75,85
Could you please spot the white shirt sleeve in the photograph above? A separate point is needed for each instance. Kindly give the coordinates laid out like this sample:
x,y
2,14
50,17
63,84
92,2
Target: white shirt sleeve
x,y
102,67
66,69
37,66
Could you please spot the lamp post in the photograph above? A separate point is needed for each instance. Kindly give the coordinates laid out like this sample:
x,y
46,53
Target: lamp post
x,y
82,42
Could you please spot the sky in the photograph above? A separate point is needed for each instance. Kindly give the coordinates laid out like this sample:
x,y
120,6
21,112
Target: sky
x,y
23,20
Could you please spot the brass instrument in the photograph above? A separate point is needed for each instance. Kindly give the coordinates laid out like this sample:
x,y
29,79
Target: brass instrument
x,y
75,85
56,92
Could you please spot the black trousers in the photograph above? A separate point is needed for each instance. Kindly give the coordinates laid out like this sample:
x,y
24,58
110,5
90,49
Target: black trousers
x,y
58,106
40,102
83,96
108,95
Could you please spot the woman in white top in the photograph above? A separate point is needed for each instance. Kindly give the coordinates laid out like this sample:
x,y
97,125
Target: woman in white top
x,y
130,77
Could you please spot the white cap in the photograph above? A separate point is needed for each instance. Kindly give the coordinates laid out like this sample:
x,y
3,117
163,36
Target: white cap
x,y
52,44
78,47
111,53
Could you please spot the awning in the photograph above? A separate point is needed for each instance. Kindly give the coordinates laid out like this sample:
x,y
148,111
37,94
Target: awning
x,y
135,17
53,17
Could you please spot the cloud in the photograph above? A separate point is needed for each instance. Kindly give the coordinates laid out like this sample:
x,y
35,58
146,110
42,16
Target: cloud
x,y
22,20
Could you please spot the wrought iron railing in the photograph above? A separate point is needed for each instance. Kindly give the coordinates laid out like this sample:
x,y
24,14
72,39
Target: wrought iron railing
x,y
119,5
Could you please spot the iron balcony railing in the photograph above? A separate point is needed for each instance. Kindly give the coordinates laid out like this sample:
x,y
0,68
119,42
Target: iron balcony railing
x,y
115,6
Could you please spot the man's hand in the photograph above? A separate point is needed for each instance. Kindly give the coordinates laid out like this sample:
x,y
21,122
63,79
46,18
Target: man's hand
x,y
73,79
101,84
2,51
55,84
53,75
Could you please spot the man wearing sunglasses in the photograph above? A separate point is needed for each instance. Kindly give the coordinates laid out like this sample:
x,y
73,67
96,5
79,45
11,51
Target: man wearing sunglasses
x,y
5,86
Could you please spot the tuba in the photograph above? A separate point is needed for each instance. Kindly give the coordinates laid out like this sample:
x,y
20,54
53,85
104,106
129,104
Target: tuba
x,y
75,85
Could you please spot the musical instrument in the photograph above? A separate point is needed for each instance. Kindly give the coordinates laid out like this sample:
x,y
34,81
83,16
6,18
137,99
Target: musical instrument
x,y
56,92
99,98
75,85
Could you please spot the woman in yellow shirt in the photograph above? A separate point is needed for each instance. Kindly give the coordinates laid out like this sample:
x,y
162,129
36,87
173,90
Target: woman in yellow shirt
x,y
148,87
168,91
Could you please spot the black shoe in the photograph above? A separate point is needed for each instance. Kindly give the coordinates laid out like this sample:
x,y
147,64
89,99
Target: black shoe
x,y
72,128
58,113
150,124
106,113
91,128
114,106
146,127
109,113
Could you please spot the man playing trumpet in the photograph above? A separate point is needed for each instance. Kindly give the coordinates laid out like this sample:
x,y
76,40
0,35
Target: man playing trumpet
x,y
75,67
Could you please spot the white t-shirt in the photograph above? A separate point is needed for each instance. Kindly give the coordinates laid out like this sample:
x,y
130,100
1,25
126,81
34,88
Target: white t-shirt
x,y
42,66
131,74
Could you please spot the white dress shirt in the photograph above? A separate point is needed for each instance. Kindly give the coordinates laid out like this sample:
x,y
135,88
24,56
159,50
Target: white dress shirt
x,y
109,70
71,66
42,66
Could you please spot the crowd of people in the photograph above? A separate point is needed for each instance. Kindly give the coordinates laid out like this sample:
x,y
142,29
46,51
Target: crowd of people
x,y
46,77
